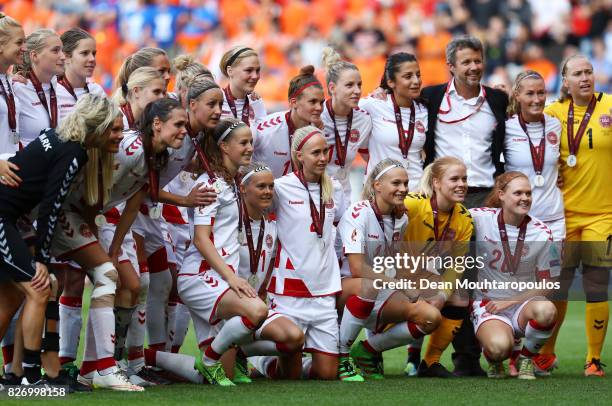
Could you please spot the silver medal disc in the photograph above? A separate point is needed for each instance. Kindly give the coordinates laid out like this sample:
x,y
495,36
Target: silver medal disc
x,y
254,281
572,161
15,137
100,220
341,173
321,244
184,176
241,238
218,186
539,181
155,212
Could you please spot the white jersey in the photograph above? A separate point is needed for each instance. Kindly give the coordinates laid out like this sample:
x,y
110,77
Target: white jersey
x,y
361,127
384,141
222,215
271,144
267,251
181,185
547,200
361,234
66,102
540,257
305,267
33,117
257,110
8,146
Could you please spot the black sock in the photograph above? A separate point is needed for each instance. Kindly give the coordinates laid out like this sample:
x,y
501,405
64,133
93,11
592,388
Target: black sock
x,y
31,365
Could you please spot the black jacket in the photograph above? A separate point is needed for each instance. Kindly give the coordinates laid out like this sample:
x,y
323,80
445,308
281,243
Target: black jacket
x,y
47,167
498,101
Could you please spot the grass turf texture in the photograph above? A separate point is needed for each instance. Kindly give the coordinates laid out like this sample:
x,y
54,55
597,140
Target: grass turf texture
x,y
566,386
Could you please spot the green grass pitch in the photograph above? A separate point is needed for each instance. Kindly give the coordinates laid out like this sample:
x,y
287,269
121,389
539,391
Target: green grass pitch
x,y
566,386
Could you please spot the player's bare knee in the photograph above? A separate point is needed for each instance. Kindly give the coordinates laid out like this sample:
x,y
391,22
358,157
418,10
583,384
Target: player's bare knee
x,y
105,279
37,297
497,348
431,319
545,313
294,339
259,312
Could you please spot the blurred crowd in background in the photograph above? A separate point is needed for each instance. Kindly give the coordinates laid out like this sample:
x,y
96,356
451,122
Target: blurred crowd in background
x,y
518,34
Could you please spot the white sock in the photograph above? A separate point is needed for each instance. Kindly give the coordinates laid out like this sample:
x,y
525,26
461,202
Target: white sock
x,y
356,312
170,324
260,347
398,335
306,367
136,330
90,355
70,325
263,364
535,337
160,284
103,326
181,326
237,330
179,364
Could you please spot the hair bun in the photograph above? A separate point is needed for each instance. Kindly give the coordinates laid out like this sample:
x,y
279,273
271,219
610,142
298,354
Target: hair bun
x,y
307,70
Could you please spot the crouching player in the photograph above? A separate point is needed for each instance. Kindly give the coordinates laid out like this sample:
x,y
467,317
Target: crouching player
x,y
367,229
517,248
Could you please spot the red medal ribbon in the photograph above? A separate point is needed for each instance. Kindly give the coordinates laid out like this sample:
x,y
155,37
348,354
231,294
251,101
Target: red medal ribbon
x,y
201,155
537,153
318,218
126,109
381,222
574,143
254,255
436,221
511,260
10,105
43,99
404,140
441,112
290,136
341,149
63,80
232,104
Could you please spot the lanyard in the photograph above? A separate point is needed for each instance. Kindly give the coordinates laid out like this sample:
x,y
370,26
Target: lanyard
x,y
574,143
291,128
68,86
341,149
436,221
232,104
126,109
199,151
405,140
441,112
381,222
537,153
43,99
511,260
10,105
318,218
254,255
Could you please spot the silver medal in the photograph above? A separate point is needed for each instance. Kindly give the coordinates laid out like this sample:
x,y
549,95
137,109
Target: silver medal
x,y
254,281
218,186
539,181
241,238
321,242
572,161
184,176
15,137
100,220
341,173
155,212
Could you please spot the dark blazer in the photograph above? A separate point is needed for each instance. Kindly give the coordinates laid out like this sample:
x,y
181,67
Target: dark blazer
x,y
498,101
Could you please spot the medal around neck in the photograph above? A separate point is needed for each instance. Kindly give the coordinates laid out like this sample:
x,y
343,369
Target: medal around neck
x,y
100,220
218,186
538,181
321,243
15,137
254,281
241,237
155,212
571,161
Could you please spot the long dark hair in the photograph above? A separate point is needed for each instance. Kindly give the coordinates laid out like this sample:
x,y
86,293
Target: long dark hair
x,y
161,109
210,144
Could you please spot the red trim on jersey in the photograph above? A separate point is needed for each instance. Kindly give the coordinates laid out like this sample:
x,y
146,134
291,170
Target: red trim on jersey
x,y
143,267
68,254
172,214
63,360
150,357
314,350
414,330
359,307
158,261
71,301
272,284
296,288
112,216
289,265
214,310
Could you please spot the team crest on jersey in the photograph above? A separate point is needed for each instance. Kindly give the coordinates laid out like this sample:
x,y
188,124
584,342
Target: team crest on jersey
x,y
396,236
85,231
552,138
354,235
269,241
354,137
419,126
605,120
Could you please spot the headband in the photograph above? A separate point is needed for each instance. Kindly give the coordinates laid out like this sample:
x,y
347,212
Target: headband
x,y
502,187
303,87
306,138
254,171
229,130
387,169
233,58
531,75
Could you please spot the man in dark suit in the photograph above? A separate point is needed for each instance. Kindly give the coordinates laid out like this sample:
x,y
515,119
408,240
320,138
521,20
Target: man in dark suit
x,y
465,120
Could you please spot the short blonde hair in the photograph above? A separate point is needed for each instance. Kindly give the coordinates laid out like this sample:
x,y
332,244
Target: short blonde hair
x,y
327,188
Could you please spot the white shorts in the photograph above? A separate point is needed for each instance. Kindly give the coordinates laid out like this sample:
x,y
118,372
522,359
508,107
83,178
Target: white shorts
x,y
373,321
558,229
201,294
316,316
151,231
168,243
509,316
71,234
128,247
272,315
179,234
